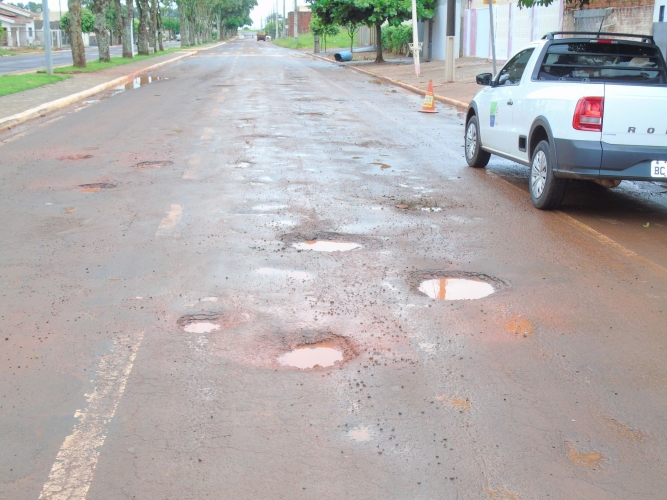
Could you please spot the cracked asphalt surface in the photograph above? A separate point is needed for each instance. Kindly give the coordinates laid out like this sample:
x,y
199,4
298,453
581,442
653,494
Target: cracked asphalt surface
x,y
195,189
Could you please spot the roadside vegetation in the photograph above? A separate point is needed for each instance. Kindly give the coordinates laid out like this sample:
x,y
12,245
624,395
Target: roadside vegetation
x,y
307,41
10,84
93,66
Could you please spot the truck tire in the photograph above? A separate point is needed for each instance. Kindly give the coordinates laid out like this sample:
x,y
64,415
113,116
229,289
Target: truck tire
x,y
475,156
546,191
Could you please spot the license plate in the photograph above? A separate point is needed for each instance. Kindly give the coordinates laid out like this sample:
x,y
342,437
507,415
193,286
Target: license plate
x,y
659,169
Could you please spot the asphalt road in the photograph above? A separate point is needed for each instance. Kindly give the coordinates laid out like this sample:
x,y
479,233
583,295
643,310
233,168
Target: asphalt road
x,y
143,315
13,64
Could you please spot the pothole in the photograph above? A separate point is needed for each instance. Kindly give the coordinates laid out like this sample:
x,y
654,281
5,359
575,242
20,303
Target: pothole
x,y
382,165
153,164
310,356
326,246
75,157
331,350
458,285
97,186
361,433
199,323
583,459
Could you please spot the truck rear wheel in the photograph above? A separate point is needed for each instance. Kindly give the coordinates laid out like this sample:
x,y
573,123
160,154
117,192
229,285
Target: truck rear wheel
x,y
475,156
546,191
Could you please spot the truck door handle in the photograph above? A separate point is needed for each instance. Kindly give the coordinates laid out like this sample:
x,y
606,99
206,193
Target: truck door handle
x,y
510,102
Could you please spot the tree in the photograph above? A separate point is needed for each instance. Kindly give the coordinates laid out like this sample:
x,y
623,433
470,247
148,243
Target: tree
x,y
323,30
371,13
75,34
30,6
352,29
87,21
102,31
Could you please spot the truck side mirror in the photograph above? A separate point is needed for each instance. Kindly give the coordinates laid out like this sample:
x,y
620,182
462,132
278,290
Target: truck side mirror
x,y
484,79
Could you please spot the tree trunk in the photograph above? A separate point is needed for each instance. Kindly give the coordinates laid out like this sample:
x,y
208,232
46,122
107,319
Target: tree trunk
x,y
128,19
142,6
119,21
154,32
378,43
184,28
159,27
76,38
101,30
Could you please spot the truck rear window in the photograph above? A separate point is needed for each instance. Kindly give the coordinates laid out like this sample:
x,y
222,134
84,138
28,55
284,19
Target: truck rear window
x,y
605,62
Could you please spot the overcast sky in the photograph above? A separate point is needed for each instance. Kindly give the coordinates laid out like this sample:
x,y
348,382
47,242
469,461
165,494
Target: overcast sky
x,y
264,8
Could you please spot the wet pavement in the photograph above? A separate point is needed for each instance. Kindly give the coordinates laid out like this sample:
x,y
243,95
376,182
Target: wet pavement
x,y
170,330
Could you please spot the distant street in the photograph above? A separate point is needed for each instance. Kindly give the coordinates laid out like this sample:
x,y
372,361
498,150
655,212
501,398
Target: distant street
x,y
266,276
12,64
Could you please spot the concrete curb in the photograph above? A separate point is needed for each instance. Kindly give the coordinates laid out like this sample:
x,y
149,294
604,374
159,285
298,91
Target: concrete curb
x,y
48,107
447,100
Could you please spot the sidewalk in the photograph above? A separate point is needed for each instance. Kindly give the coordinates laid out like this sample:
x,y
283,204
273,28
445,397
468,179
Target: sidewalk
x,y
21,106
458,93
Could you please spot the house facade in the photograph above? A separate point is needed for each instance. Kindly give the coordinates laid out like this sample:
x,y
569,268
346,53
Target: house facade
x,y
19,24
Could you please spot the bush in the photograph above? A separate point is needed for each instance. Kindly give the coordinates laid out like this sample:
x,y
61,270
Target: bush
x,y
396,38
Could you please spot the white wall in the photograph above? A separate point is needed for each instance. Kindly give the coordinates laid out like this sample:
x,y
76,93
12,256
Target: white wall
x,y
440,30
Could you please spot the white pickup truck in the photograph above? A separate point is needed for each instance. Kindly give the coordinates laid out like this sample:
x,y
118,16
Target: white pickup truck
x,y
590,106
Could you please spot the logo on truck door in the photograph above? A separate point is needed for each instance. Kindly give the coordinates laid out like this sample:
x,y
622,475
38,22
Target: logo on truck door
x,y
494,114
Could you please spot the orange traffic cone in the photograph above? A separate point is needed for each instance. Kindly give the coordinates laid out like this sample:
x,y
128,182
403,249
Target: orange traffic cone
x,y
429,102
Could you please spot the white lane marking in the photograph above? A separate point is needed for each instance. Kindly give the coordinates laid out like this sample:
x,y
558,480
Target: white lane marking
x,y
173,217
191,172
75,463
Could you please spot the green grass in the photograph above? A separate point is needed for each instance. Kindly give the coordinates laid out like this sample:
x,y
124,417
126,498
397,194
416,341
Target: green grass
x,y
307,41
10,84
4,52
95,65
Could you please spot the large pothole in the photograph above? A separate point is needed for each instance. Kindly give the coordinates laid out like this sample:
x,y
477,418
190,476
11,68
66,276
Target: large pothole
x,y
456,285
331,350
325,242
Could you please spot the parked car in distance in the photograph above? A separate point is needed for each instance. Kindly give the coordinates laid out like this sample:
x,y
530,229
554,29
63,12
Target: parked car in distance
x,y
178,37
261,35
583,107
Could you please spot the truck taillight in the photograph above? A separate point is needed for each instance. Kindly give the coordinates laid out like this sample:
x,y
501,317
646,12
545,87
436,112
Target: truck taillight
x,y
588,114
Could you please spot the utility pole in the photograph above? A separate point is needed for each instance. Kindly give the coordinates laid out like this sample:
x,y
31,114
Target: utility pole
x,y
415,38
46,28
296,27
451,37
493,37
284,21
277,7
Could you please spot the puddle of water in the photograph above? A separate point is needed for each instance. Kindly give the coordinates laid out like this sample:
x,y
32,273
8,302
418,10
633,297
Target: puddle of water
x,y
282,273
591,459
264,208
326,246
138,82
304,357
431,209
361,433
455,289
201,327
462,404
519,326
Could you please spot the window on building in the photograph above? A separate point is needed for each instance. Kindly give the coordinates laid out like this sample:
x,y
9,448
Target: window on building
x,y
30,32
661,16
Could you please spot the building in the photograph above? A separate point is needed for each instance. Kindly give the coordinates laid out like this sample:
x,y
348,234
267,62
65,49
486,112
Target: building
x,y
660,25
304,18
20,26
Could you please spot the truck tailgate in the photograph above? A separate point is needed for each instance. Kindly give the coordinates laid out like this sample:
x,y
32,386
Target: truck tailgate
x,y
635,115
